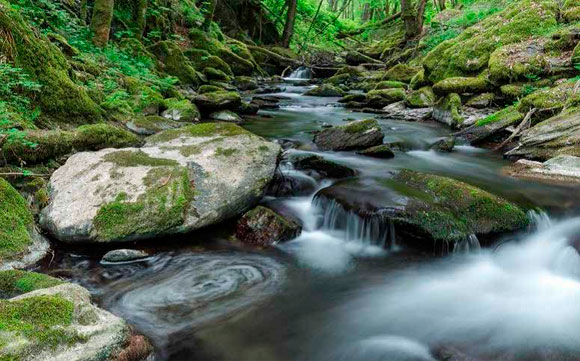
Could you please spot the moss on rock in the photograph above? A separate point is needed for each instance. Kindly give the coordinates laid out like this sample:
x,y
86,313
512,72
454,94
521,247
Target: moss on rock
x,y
325,90
51,144
461,85
401,72
420,98
448,110
216,74
16,223
181,110
469,53
390,84
174,62
60,99
15,282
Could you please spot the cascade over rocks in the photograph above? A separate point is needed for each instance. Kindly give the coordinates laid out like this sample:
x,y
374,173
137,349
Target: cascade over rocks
x,y
426,208
355,135
180,181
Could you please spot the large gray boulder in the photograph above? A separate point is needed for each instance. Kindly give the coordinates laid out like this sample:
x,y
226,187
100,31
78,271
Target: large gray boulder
x,y
60,323
360,134
179,181
563,168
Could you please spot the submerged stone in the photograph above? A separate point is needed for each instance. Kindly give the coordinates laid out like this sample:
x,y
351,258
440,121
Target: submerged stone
x,y
264,227
124,255
378,151
355,135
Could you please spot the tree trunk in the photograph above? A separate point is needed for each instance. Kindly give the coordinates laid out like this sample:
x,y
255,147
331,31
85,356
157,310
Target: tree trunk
x,y
289,26
365,13
101,21
387,8
421,15
140,17
84,12
409,16
442,5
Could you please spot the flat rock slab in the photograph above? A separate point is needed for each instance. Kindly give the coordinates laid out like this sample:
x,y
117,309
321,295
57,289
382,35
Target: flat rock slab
x,y
179,181
564,168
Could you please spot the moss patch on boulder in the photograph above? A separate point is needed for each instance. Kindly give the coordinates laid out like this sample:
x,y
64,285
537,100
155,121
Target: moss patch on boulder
x,y
15,282
16,223
461,85
325,90
401,72
174,62
421,98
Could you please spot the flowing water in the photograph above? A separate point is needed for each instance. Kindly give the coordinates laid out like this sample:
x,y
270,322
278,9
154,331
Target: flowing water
x,y
344,289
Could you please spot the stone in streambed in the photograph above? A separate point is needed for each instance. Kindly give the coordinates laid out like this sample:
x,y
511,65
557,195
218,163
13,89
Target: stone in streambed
x,y
151,124
352,98
421,98
448,110
381,98
263,227
218,100
355,135
492,126
226,116
124,255
379,151
325,90
179,181
444,145
180,110
323,166
425,208
563,168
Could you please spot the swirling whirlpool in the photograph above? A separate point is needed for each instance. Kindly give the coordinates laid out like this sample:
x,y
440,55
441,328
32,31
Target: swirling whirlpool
x,y
191,290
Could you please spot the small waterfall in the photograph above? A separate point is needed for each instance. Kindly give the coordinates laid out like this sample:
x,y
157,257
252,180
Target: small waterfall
x,y
470,244
539,220
302,73
371,230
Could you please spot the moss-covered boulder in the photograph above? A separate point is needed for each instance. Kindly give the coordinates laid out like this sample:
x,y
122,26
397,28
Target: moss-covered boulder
x,y
174,62
226,116
325,90
383,97
359,134
180,110
218,100
548,101
559,135
207,88
180,181
447,110
216,75
523,60
353,98
51,144
481,101
57,321
338,79
20,243
401,72
246,83
240,63
421,98
425,208
264,227
201,59
468,54
60,99
461,85
16,282
419,80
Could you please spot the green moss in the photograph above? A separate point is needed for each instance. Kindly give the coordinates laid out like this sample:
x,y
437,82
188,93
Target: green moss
x,y
458,209
523,60
16,223
130,158
237,63
390,95
187,110
55,143
325,90
461,85
40,319
419,80
338,79
509,114
552,99
60,99
162,207
204,89
216,74
202,61
469,53
200,130
174,62
226,152
402,73
452,104
420,98
360,126
15,282
389,84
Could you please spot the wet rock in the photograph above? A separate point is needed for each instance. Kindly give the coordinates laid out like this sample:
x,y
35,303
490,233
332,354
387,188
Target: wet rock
x,y
266,102
427,211
179,181
291,183
378,151
180,110
326,125
491,126
401,112
151,124
213,74
352,98
76,329
248,109
226,116
559,135
270,90
448,110
355,135
325,90
381,98
263,227
323,166
390,84
563,168
218,100
124,255
444,145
